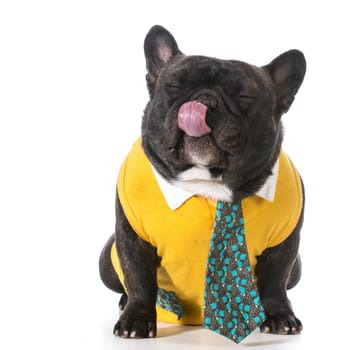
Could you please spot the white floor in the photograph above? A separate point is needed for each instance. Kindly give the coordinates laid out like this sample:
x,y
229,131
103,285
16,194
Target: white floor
x,y
320,331
180,338
85,322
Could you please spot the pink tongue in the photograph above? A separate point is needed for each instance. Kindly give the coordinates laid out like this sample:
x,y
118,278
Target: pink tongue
x,y
191,119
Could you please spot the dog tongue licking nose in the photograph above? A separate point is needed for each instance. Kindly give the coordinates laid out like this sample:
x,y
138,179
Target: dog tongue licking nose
x,y
191,119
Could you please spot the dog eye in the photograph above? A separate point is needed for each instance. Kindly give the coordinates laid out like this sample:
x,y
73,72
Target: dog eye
x,y
174,87
174,92
245,100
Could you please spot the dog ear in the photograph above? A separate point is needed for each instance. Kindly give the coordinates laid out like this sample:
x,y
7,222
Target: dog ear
x,y
159,47
287,72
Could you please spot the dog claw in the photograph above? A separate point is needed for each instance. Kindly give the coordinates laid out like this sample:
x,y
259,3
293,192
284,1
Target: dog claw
x,y
132,334
266,330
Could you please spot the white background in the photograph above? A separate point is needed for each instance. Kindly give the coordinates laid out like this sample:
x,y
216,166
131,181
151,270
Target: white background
x,y
72,92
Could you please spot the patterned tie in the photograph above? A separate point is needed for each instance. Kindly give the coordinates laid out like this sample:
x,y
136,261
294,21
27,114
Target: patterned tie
x,y
232,305
231,302
169,301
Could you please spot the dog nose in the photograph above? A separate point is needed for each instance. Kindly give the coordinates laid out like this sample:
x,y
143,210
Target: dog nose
x,y
208,100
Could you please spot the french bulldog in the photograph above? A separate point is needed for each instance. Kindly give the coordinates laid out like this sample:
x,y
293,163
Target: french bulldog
x,y
211,131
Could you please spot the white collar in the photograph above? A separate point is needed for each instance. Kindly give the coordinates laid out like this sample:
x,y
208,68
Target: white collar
x,y
176,196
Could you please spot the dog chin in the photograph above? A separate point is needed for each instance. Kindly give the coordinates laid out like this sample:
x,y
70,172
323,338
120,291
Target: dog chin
x,y
199,181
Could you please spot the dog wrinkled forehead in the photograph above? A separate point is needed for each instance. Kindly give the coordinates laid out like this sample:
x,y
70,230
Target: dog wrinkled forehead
x,y
200,71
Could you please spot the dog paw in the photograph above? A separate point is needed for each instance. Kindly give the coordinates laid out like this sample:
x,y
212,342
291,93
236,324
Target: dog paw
x,y
287,324
135,324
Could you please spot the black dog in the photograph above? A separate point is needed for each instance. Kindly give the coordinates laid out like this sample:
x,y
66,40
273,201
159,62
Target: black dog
x,y
211,131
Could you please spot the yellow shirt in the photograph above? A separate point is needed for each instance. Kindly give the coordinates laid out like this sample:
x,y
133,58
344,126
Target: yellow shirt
x,y
182,236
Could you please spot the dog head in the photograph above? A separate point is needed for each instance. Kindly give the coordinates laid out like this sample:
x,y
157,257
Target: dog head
x,y
215,123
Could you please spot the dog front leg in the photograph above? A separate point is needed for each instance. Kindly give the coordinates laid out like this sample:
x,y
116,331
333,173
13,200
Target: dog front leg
x,y
139,262
277,270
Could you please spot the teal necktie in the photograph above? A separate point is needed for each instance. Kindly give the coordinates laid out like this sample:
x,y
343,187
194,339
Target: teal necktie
x,y
232,305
